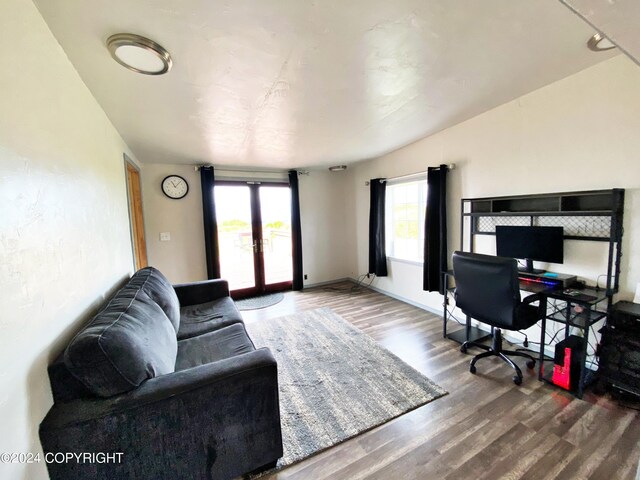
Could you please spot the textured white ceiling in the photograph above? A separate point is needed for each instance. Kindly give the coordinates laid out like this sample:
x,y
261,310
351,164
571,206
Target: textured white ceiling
x,y
291,83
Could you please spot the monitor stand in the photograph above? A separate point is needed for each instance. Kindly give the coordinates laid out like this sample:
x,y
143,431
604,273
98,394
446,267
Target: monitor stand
x,y
529,267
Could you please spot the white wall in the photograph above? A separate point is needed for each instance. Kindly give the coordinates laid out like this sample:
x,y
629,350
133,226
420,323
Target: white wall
x,y
182,259
580,133
323,210
64,229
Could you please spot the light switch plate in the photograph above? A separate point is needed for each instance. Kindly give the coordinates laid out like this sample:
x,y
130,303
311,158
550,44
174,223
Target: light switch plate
x,y
165,236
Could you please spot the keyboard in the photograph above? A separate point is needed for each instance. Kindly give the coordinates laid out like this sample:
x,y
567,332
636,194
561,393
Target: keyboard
x,y
582,297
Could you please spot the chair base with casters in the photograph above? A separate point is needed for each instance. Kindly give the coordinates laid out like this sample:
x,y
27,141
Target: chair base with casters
x,y
496,350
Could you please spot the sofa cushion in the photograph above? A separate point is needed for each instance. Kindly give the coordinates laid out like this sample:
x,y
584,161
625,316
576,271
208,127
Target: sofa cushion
x,y
223,343
207,317
159,289
128,342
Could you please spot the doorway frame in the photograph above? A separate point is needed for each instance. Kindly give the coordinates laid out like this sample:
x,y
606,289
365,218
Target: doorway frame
x,y
256,233
136,214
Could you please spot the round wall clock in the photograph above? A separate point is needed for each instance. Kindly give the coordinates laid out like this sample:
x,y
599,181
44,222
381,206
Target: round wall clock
x,y
174,186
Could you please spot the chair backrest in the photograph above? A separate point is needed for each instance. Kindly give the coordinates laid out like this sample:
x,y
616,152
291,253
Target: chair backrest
x,y
487,288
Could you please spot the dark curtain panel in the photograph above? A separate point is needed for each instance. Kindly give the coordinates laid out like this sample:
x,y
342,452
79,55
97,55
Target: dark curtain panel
x,y
210,223
377,251
435,230
296,231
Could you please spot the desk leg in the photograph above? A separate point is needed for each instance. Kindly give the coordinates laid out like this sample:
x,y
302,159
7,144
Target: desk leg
x,y
567,316
444,314
468,329
543,336
585,345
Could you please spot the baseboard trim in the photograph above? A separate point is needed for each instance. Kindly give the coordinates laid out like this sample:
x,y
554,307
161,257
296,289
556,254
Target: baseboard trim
x,y
328,282
401,298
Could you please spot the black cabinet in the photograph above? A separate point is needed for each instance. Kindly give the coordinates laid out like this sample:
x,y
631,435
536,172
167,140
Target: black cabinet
x,y
620,348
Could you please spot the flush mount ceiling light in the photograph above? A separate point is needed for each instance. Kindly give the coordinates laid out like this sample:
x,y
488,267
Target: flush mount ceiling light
x,y
600,43
139,54
338,168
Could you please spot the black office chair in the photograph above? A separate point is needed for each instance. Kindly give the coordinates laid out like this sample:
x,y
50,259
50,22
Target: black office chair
x,y
487,289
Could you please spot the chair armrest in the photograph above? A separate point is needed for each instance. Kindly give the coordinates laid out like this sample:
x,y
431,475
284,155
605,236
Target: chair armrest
x,y
220,419
528,300
542,305
201,292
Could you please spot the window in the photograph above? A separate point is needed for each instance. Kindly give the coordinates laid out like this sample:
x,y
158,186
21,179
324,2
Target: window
x,y
405,208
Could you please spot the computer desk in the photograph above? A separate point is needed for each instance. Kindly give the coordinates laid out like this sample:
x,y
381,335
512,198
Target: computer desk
x,y
588,312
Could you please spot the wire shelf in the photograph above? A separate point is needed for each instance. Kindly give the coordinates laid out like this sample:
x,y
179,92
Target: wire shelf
x,y
591,226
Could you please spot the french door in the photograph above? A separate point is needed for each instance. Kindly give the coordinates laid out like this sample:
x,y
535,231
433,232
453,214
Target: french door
x,y
254,236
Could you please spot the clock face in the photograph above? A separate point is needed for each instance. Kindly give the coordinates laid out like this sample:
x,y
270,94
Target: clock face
x,y
174,186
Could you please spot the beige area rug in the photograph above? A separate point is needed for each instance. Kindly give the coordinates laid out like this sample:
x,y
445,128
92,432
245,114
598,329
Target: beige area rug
x,y
335,381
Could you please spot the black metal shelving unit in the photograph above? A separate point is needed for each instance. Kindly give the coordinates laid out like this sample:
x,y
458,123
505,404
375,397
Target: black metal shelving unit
x,y
587,215
594,215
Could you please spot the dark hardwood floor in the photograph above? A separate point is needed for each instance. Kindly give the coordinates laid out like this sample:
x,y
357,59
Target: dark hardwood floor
x,y
485,428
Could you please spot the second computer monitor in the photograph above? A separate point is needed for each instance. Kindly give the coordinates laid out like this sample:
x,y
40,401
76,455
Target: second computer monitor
x,y
543,244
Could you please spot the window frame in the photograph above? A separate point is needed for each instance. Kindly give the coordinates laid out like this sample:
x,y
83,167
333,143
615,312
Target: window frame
x,y
421,180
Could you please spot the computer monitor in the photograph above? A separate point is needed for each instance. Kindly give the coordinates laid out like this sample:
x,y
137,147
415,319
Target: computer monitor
x,y
544,244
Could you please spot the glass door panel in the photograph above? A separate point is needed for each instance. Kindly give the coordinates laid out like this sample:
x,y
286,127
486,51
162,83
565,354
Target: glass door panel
x,y
275,212
235,235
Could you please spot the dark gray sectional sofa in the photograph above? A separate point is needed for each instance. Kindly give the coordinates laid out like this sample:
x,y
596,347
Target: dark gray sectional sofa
x,y
166,380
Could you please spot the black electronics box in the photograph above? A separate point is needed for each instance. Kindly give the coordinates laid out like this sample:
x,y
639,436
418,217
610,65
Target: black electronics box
x,y
568,363
619,364
626,316
550,279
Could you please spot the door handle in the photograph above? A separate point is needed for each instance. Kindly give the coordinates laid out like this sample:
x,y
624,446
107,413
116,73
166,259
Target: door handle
x,y
258,246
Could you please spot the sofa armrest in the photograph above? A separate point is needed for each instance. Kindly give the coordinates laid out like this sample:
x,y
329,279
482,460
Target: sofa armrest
x,y
217,420
161,388
201,292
